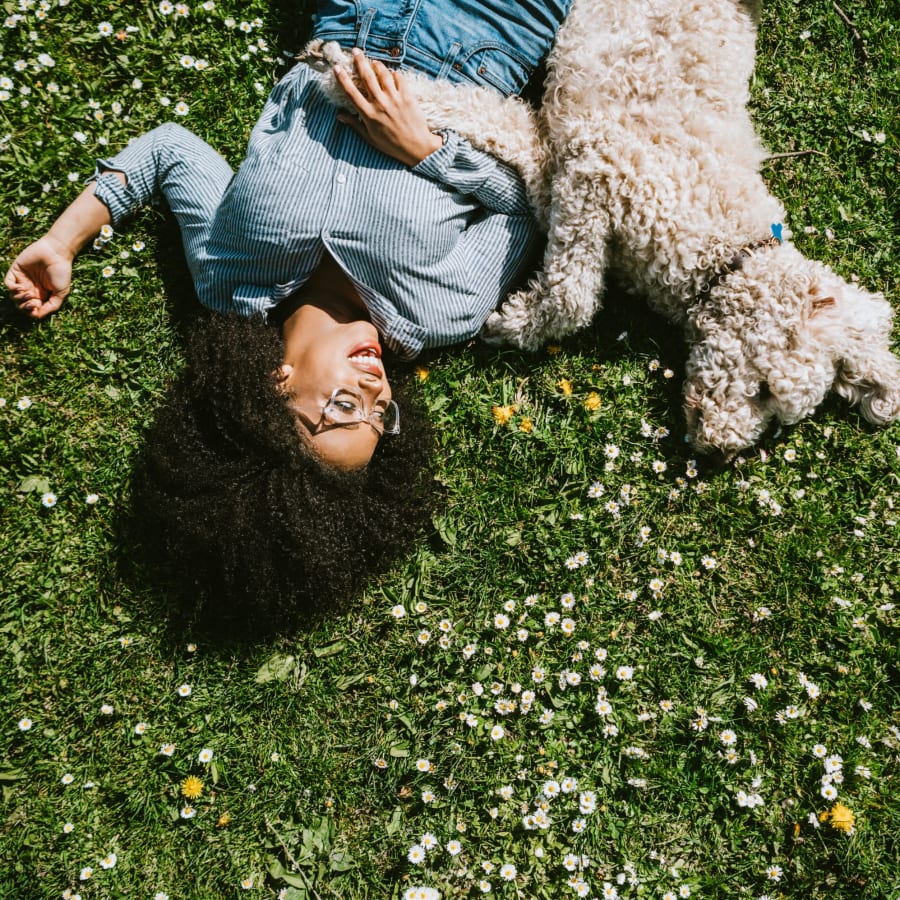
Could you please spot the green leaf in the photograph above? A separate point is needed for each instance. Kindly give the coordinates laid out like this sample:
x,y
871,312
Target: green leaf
x,y
348,681
276,668
342,861
329,649
393,826
32,483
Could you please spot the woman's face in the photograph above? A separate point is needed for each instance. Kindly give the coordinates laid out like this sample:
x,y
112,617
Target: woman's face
x,y
323,353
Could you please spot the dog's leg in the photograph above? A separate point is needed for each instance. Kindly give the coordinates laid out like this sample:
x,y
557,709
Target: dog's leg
x,y
564,296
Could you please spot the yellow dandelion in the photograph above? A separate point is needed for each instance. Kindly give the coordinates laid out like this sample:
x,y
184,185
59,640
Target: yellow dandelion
x,y
502,414
553,349
422,373
592,401
191,787
565,386
223,820
526,425
842,818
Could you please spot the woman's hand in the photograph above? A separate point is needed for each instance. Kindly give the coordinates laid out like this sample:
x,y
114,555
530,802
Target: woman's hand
x,y
389,118
40,278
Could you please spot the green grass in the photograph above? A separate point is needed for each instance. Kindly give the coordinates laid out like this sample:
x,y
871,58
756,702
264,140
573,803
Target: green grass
x,y
316,740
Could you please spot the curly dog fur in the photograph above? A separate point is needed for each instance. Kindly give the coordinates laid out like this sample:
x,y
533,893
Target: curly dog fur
x,y
653,167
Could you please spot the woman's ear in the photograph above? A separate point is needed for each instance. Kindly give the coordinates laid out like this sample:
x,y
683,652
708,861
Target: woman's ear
x,y
282,373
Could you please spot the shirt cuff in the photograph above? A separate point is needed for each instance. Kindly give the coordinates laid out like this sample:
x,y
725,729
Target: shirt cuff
x,y
119,199
436,165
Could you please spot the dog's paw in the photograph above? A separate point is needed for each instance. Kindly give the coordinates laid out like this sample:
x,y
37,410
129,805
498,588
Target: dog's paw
x,y
512,325
497,330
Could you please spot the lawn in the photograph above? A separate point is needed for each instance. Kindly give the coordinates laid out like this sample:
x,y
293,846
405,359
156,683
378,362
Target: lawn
x,y
610,671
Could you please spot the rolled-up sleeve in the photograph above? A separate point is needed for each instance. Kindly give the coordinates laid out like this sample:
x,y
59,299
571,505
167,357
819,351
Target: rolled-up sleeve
x,y
496,186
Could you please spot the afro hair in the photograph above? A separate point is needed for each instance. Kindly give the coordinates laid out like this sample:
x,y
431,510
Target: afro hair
x,y
243,516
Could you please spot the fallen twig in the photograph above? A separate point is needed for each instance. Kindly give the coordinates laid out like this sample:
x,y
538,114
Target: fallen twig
x,y
295,866
857,37
774,156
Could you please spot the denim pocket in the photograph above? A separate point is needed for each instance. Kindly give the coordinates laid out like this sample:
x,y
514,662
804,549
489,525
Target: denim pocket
x,y
496,66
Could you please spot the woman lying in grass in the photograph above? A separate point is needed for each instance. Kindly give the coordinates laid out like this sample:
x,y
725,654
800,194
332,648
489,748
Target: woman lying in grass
x,y
283,469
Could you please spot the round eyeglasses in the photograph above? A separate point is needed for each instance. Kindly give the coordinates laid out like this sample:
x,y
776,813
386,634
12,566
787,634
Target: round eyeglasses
x,y
347,408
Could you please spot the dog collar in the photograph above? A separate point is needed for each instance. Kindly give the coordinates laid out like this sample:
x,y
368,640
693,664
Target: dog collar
x,y
748,251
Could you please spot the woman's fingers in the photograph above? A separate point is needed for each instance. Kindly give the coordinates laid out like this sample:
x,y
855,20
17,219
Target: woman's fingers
x,y
352,91
373,75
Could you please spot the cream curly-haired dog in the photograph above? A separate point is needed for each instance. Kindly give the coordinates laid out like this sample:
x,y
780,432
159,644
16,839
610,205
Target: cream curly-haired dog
x,y
654,167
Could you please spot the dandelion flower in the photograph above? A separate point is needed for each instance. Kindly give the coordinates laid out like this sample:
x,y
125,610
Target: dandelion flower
x,y
191,787
502,414
842,818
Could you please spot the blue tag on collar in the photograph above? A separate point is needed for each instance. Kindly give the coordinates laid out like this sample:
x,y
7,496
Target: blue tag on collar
x,y
776,231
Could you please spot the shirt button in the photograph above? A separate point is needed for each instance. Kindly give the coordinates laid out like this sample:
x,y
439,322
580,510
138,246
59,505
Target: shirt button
x,y
395,52
341,178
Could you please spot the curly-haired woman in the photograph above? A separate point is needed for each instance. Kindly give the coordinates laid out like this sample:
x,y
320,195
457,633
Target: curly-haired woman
x,y
283,470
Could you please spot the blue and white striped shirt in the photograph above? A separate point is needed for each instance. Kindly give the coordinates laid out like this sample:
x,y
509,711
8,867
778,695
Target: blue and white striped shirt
x,y
432,249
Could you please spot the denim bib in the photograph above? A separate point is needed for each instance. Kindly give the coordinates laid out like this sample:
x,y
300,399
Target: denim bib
x,y
491,43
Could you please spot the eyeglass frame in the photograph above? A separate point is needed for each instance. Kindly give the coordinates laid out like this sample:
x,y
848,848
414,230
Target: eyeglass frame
x,y
364,415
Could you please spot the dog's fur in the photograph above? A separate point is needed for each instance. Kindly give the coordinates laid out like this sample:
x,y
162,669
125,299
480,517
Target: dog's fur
x,y
653,166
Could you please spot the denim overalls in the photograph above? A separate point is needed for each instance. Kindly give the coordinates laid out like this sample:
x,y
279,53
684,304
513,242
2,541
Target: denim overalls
x,y
494,43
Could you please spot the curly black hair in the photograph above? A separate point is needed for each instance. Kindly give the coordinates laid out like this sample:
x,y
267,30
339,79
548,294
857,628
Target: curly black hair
x,y
245,517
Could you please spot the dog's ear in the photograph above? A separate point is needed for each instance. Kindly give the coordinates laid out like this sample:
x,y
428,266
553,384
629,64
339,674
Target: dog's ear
x,y
857,327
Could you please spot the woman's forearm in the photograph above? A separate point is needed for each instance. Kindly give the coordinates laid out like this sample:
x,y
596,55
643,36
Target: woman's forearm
x,y
81,221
